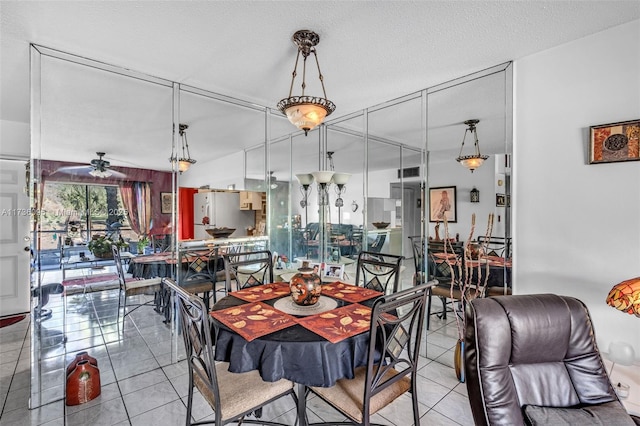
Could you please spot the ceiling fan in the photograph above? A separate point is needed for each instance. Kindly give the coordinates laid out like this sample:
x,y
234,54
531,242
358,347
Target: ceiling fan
x,y
99,167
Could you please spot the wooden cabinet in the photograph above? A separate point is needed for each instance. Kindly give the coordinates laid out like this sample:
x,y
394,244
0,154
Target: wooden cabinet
x,y
250,200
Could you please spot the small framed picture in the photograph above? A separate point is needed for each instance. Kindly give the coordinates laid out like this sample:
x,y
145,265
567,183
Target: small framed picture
x,y
615,142
317,268
166,200
333,270
442,203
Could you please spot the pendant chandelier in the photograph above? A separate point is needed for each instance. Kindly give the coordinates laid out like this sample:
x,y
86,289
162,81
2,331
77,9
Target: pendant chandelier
x,y
185,161
306,112
475,160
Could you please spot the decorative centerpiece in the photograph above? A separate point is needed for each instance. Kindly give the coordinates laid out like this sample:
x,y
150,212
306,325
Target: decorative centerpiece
x,y
305,286
220,232
380,225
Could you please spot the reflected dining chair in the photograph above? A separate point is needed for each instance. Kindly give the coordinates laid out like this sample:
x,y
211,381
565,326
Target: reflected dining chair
x,y
395,331
200,272
232,396
248,269
133,287
376,271
448,288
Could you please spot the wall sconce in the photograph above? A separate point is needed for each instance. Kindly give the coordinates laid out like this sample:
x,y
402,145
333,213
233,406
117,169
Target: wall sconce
x,y
306,112
185,161
475,160
475,195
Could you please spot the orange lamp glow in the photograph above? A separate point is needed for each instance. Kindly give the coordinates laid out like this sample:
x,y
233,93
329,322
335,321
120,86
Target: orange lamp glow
x,y
626,296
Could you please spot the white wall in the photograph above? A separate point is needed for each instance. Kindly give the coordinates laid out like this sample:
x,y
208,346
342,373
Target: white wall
x,y
15,139
577,226
451,173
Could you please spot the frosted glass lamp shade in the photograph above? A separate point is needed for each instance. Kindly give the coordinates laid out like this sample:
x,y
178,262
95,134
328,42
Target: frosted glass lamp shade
x,y
305,178
306,116
341,178
621,353
323,177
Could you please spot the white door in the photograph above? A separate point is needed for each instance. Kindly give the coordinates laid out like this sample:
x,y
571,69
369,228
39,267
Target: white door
x,y
15,219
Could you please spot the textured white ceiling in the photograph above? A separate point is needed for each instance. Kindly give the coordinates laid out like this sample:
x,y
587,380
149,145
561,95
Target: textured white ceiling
x,y
369,51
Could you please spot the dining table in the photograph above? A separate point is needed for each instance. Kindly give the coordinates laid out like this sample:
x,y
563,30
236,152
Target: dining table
x,y
163,264
498,268
261,328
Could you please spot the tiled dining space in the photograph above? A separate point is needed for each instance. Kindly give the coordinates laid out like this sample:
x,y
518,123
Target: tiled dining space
x,y
142,386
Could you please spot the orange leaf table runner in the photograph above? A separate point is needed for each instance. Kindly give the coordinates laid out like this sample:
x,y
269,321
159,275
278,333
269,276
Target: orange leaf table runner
x,y
263,292
348,292
254,320
491,260
339,324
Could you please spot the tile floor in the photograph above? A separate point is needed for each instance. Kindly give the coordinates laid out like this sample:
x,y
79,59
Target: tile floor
x,y
141,385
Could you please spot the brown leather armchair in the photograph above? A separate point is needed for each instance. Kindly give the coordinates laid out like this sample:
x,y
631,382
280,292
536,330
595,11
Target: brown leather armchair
x,y
533,359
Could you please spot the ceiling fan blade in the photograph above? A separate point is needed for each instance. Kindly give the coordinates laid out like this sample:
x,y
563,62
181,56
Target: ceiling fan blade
x,y
86,170
74,170
116,174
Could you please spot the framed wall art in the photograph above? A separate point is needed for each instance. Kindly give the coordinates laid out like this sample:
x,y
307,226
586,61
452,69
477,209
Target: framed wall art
x,y
615,142
166,200
443,203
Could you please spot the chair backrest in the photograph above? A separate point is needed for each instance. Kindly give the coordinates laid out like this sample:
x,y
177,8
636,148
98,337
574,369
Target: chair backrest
x,y
248,269
198,265
439,268
496,246
377,270
534,350
312,230
197,334
396,331
417,246
376,245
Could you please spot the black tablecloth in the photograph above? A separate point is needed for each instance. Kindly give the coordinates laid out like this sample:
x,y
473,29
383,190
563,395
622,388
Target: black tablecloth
x,y
158,269
295,353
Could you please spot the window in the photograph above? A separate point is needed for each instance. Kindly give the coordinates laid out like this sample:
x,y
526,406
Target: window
x,y
71,214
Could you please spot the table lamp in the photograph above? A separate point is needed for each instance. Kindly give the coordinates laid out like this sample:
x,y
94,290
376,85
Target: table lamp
x,y
626,296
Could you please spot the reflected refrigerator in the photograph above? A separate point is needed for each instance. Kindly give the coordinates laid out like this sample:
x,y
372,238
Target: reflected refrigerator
x,y
220,210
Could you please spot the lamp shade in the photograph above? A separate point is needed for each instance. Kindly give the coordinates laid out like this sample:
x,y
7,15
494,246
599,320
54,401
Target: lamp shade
x,y
323,177
472,162
306,116
626,296
305,178
621,353
341,178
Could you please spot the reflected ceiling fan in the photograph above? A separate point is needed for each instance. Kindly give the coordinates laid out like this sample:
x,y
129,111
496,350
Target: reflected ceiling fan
x,y
99,167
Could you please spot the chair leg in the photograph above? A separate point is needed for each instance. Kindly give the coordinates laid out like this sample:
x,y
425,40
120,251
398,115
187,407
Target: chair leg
x,y
190,399
444,307
428,309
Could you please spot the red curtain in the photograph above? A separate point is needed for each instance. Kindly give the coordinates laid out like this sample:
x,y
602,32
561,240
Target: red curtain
x,y
185,213
136,197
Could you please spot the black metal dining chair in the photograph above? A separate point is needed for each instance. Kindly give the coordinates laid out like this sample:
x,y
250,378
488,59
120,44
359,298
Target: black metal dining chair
x,y
232,396
201,272
133,287
376,271
396,332
247,269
